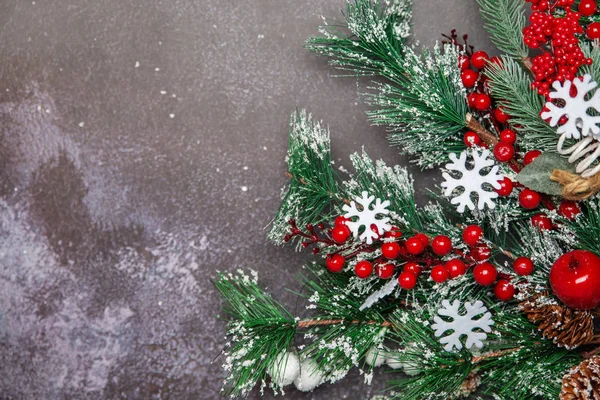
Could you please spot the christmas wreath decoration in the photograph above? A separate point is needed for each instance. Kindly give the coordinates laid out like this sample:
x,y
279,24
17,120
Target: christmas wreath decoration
x,y
494,286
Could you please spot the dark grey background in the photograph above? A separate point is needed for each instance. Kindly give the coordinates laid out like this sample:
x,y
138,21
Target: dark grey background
x,y
142,149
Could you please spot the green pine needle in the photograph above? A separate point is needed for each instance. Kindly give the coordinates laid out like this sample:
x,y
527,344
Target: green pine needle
x,y
504,21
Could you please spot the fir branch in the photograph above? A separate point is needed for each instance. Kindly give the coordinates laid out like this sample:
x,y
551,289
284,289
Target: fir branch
x,y
586,226
313,184
592,52
504,21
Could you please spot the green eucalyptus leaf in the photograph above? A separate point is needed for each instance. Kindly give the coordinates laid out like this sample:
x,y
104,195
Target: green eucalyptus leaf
x,y
536,176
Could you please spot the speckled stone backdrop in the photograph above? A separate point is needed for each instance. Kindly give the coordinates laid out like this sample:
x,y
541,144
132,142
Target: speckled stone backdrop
x,y
142,148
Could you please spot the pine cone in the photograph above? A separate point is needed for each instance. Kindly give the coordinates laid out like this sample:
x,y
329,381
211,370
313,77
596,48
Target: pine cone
x,y
583,381
470,385
566,327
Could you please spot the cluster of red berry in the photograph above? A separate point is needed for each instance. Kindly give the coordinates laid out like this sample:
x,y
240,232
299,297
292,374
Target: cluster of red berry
x,y
472,79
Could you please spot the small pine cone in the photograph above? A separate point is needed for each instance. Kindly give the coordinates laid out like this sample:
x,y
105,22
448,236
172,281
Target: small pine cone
x,y
583,381
566,327
470,385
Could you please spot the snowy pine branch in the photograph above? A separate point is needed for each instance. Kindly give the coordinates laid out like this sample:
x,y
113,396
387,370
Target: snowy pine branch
x,y
505,20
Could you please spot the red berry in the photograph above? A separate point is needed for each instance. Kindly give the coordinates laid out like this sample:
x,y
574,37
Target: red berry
x,y
394,233
391,250
423,238
463,62
482,102
413,267
472,100
376,230
363,269
441,245
506,187
341,220
385,271
471,139
529,199
481,252
542,222
504,290
479,59
407,280
587,7
340,233
496,60
569,209
593,30
455,267
469,77
439,274
472,234
508,136
574,278
503,152
530,156
501,116
523,266
414,246
335,263
485,274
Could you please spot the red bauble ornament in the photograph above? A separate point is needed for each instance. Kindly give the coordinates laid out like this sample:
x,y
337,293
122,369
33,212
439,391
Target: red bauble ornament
x,y
575,279
479,59
340,233
529,199
483,102
542,222
385,271
508,136
393,233
485,274
363,269
504,152
335,263
455,267
593,30
463,62
472,234
530,156
441,245
407,280
501,116
414,246
471,139
391,251
472,100
504,290
413,267
439,274
523,266
481,252
587,7
469,77
506,187
569,209
341,220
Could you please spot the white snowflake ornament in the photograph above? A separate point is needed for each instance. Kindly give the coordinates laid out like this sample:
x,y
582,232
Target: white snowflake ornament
x,y
464,324
472,180
575,108
367,217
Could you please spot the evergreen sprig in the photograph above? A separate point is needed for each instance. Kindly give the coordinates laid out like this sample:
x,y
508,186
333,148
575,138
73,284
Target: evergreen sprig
x,y
504,21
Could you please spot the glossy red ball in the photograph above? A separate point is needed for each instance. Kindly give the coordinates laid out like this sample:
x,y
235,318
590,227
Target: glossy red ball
x,y
541,221
423,238
530,156
335,263
569,209
506,187
523,266
508,136
391,250
483,102
479,59
341,220
503,152
529,199
587,7
471,139
393,233
501,116
504,290
472,100
463,62
485,274
439,274
340,233
414,246
481,252
575,279
469,78
363,269
441,245
455,267
472,234
385,271
413,267
593,30
407,280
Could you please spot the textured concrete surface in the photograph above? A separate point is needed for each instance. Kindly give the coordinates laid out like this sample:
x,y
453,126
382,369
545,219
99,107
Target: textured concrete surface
x,y
142,149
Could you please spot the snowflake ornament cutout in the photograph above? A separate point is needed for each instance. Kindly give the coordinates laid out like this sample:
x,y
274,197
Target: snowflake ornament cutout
x,y
367,217
462,324
472,180
579,122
